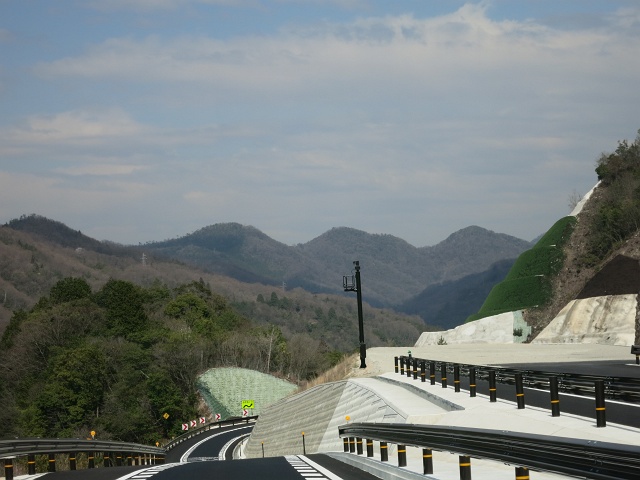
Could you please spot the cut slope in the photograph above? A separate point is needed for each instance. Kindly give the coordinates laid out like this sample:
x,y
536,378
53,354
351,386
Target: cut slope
x,y
224,389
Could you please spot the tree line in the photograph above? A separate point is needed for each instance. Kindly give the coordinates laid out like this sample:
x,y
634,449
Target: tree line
x,y
123,360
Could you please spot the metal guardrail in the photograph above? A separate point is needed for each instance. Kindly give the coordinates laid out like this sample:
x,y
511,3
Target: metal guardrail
x,y
192,433
11,449
615,387
574,457
35,446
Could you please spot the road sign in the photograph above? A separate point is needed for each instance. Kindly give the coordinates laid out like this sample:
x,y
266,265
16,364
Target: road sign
x,y
185,426
165,416
193,423
93,434
245,413
218,417
247,404
202,420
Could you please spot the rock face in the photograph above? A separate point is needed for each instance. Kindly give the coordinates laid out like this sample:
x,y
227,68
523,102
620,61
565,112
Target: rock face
x,y
507,327
609,319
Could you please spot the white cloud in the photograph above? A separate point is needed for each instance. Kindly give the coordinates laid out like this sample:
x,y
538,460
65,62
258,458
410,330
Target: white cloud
x,y
388,123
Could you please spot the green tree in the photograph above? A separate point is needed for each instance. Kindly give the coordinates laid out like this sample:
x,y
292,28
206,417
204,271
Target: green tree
x,y
72,394
124,306
69,289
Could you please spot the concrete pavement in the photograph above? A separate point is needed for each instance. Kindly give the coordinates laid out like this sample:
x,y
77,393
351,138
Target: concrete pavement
x,y
413,401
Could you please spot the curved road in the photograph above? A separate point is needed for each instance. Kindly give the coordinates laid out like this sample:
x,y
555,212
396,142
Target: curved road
x,y
203,457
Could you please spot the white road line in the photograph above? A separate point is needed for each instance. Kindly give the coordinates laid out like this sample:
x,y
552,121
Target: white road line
x,y
184,458
327,473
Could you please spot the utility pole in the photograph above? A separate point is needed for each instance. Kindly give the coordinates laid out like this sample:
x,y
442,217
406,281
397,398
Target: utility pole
x,y
350,286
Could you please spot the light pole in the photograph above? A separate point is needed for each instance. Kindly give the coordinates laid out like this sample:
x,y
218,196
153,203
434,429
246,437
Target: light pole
x,y
349,286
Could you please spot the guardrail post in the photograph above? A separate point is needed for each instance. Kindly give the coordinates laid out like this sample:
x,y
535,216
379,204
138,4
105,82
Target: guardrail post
x,y
555,398
52,462
443,374
423,373
401,365
402,455
472,382
345,445
359,446
352,444
519,391
31,464
129,459
409,363
369,448
395,363
415,368
384,452
432,372
427,461
456,377
492,386
106,459
118,459
304,445
465,467
72,461
262,446
601,418
522,473
8,468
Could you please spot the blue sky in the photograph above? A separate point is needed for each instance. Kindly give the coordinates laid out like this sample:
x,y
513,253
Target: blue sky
x,y
137,121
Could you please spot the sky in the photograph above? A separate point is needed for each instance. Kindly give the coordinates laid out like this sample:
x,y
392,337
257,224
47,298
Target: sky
x,y
145,120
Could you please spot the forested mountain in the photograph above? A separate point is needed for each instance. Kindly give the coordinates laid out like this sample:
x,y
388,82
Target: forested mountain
x,y
448,304
392,270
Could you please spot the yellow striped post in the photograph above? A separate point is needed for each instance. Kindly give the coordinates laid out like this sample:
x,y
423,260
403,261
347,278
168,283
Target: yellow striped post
x,y
8,468
472,382
519,391
402,455
465,467
31,464
492,386
522,473
443,374
52,462
427,461
384,452
601,418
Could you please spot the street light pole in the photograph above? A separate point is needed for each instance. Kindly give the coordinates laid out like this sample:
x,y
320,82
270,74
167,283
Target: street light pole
x,y
358,289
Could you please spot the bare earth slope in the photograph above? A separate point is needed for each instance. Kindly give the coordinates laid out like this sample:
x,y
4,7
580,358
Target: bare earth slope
x,y
619,274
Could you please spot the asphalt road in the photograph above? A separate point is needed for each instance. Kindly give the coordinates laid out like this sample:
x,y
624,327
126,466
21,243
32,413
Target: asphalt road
x,y
623,413
199,459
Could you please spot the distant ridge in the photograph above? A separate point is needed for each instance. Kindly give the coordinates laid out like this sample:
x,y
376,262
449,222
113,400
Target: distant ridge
x,y
392,269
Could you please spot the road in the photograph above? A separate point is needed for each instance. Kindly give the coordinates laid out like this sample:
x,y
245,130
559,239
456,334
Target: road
x,y
209,456
623,413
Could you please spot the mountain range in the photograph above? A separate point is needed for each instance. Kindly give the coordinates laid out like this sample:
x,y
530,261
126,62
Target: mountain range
x,y
392,270
443,284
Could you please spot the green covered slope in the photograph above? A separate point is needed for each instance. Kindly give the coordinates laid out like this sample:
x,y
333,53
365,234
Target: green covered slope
x,y
224,390
528,283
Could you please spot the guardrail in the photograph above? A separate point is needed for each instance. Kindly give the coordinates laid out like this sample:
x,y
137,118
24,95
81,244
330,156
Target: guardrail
x,y
192,433
615,387
112,453
130,453
575,457
594,386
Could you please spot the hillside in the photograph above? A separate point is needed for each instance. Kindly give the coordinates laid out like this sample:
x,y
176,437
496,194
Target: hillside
x,y
30,264
592,253
392,270
448,304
